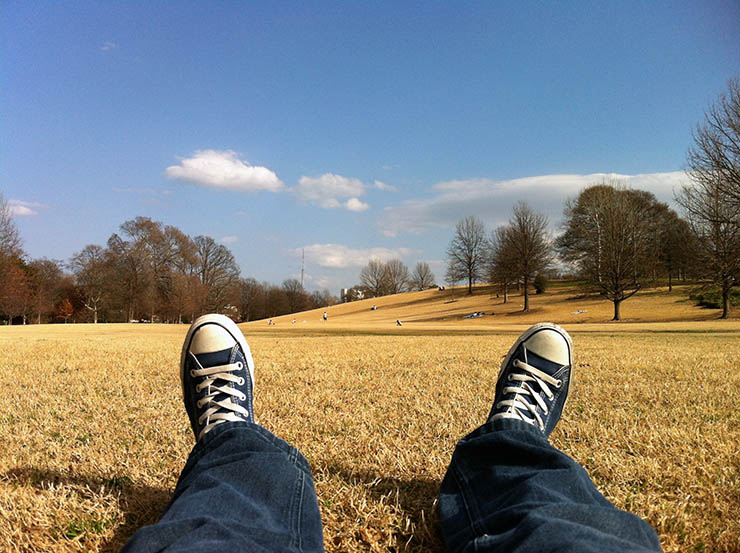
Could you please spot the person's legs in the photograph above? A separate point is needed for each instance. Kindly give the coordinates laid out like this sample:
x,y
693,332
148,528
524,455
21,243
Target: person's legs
x,y
508,489
242,488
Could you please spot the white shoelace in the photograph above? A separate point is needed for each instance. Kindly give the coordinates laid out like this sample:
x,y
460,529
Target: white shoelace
x,y
218,412
518,406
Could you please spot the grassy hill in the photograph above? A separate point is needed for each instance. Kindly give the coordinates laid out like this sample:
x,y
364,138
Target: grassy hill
x,y
444,311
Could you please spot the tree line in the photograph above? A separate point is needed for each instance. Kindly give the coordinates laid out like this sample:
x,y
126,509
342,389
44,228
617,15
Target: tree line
x,y
147,271
381,278
614,239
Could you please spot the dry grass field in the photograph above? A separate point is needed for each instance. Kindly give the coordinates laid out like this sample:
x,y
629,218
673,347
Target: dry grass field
x,y
93,434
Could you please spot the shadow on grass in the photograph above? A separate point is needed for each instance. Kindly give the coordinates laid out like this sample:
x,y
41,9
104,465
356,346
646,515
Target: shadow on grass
x,y
140,504
416,498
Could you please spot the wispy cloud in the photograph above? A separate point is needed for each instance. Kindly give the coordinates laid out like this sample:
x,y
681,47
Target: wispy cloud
x,y
229,239
492,200
21,208
338,256
383,186
107,46
223,169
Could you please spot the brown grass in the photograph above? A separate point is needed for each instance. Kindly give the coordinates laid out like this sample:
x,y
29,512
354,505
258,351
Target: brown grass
x,y
93,432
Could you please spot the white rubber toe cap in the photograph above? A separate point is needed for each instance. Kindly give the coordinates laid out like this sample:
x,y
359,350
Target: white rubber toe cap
x,y
551,345
210,338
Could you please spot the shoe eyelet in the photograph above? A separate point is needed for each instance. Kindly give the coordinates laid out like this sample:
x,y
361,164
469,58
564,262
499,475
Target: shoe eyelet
x,y
240,365
510,377
199,404
241,381
559,384
192,373
244,397
198,389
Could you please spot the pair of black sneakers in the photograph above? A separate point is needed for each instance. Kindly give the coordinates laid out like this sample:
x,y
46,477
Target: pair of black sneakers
x,y
217,374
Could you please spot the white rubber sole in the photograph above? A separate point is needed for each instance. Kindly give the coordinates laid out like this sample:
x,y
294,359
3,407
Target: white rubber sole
x,y
526,335
230,326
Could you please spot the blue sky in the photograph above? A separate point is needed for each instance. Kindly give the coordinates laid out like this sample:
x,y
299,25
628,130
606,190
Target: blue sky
x,y
351,129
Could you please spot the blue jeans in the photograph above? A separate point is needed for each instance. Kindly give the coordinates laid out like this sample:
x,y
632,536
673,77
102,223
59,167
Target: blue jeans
x,y
507,489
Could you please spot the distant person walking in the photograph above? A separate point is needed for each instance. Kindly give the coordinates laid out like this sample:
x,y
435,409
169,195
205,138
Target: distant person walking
x,y
325,315
506,489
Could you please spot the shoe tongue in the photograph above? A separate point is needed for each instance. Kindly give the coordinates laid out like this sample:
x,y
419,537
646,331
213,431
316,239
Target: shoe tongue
x,y
545,365
215,358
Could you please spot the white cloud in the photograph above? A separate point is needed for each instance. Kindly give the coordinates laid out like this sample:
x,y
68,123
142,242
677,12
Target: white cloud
x,y
354,204
224,169
383,186
20,208
492,200
327,190
107,46
330,191
229,239
337,256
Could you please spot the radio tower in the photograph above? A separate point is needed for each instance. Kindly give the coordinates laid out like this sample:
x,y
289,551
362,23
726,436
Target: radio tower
x,y
303,263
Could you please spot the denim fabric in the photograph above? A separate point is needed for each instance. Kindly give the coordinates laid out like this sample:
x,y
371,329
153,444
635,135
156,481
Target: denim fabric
x,y
507,489
242,489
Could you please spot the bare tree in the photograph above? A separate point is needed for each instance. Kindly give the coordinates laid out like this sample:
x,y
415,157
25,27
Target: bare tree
x,y
128,276
527,245
501,265
65,310
10,253
714,158
10,241
251,299
297,297
396,276
422,277
322,298
45,276
467,251
453,275
276,302
712,202
15,293
217,270
373,276
677,247
716,223
606,237
90,270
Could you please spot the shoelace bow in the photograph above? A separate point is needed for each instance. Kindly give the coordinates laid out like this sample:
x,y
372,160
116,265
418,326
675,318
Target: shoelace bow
x,y
218,412
518,406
